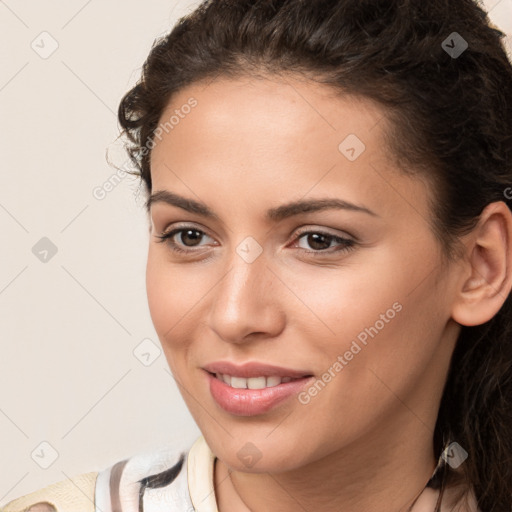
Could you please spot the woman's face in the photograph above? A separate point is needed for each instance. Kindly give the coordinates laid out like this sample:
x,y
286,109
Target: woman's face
x,y
354,299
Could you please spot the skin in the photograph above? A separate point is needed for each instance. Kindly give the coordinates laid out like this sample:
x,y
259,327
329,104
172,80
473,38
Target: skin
x,y
365,441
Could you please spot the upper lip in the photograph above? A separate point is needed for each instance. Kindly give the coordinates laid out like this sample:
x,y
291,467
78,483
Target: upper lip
x,y
253,369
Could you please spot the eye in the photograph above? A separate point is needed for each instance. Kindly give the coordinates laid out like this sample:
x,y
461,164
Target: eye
x,y
187,234
320,241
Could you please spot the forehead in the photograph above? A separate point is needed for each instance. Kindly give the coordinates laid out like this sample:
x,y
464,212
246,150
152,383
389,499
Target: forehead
x,y
267,137
269,113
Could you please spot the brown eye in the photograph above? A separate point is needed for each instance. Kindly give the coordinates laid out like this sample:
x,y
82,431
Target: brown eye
x,y
186,235
320,241
189,236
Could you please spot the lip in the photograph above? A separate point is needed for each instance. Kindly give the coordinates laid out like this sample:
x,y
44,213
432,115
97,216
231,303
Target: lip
x,y
252,402
254,369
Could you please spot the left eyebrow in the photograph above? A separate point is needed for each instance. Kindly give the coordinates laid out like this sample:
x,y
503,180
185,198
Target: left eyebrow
x,y
313,205
272,215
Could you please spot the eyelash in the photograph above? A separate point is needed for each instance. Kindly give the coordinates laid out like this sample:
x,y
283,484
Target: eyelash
x,y
347,243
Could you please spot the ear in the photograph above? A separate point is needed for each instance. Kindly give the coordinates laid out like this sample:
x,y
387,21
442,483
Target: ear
x,y
487,279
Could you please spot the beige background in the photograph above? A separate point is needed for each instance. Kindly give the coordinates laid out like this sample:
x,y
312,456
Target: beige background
x,y
71,326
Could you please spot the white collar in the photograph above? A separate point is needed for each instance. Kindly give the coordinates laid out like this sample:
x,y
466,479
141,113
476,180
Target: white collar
x,y
200,476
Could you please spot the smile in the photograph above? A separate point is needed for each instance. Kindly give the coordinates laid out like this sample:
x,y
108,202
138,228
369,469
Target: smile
x,y
250,396
252,382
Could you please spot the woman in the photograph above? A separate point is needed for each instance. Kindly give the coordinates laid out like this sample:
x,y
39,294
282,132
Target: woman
x,y
330,263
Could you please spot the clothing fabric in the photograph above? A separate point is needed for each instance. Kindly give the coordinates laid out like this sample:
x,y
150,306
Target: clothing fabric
x,y
165,480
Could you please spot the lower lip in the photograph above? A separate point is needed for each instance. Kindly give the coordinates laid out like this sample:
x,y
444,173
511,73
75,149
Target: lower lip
x,y
250,402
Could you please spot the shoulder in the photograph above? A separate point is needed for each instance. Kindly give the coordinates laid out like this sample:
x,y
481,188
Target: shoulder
x,y
73,494
147,481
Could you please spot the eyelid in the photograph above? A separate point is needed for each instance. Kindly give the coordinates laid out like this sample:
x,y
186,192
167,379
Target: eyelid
x,y
186,225
327,231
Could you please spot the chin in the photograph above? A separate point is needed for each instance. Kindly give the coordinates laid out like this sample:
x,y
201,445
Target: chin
x,y
250,455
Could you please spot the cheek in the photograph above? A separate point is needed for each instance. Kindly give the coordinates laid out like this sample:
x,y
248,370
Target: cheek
x,y
158,300
388,343
164,287
175,293
382,317
332,306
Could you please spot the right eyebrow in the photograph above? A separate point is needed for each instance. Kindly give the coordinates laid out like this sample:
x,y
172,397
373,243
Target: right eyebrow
x,y
190,205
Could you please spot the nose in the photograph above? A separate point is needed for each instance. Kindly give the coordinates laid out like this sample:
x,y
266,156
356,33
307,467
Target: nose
x,y
247,303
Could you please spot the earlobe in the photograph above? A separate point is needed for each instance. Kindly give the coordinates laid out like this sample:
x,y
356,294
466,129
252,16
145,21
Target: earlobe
x,y
488,280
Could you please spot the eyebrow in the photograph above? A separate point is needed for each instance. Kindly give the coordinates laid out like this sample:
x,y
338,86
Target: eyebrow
x,y
272,215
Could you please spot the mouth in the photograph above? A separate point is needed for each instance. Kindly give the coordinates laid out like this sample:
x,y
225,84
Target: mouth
x,y
255,395
260,382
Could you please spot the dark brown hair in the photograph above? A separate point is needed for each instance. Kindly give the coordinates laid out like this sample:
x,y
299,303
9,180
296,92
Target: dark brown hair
x,y
449,118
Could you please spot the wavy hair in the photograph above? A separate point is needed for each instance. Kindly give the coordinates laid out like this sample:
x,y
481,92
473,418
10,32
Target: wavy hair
x,y
450,119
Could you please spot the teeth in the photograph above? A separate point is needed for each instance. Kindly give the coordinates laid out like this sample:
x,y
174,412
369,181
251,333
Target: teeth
x,y
252,382
256,383
238,382
274,381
